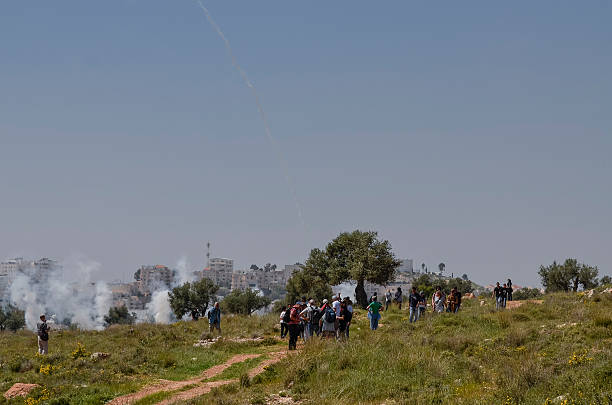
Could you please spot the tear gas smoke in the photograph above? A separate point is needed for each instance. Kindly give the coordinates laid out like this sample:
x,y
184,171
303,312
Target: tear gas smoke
x,y
67,293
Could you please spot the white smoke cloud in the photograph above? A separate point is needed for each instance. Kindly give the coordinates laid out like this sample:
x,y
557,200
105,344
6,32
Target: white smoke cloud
x,y
159,308
66,294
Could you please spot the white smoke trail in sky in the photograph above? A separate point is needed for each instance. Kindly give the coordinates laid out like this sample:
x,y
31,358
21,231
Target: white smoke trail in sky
x,y
284,163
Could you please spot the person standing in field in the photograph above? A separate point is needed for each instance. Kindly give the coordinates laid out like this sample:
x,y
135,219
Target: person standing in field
x,y
343,320
306,316
422,304
504,295
388,299
214,318
349,308
43,335
413,303
399,297
509,290
327,323
374,313
284,321
497,294
437,300
336,306
457,299
294,325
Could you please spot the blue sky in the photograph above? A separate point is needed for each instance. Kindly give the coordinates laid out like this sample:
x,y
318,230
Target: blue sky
x,y
477,134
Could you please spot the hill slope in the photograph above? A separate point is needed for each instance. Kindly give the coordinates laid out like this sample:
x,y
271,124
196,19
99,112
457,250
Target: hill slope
x,y
558,351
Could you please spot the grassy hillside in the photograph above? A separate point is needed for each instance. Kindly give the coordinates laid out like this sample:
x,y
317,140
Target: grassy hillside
x,y
556,352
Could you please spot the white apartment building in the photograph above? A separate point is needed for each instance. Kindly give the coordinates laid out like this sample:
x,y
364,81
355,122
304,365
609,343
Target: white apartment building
x,y
220,271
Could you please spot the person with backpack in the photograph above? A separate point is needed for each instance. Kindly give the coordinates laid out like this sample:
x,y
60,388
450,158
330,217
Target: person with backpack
x,y
422,304
328,320
284,321
374,313
399,297
504,295
214,318
294,325
43,335
413,303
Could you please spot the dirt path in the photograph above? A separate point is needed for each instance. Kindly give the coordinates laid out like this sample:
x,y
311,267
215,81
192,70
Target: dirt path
x,y
166,385
206,387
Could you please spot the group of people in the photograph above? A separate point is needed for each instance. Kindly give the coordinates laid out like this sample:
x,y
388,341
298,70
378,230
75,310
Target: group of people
x,y
306,319
502,294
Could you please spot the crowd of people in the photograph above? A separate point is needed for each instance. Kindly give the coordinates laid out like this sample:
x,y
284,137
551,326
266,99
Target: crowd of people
x,y
305,319
502,294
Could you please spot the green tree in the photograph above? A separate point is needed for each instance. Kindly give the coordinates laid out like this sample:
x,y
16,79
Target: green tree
x,y
424,283
119,315
192,298
3,319
605,280
568,276
311,281
14,319
244,302
362,257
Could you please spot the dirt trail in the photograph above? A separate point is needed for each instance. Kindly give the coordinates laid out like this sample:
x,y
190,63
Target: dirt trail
x,y
166,385
206,387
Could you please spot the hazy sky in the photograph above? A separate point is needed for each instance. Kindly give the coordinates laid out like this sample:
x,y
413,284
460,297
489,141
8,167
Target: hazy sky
x,y
474,133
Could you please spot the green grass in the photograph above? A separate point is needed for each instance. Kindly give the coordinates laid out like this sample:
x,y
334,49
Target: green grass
x,y
478,356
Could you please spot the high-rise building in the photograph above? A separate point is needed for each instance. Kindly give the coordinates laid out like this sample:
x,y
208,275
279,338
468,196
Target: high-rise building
x,y
220,271
406,266
151,278
38,271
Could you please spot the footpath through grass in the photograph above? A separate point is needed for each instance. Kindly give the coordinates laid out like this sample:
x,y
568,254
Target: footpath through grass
x,y
139,355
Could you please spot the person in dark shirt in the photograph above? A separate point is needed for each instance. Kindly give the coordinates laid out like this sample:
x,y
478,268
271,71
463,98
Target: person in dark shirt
x,y
343,320
504,295
413,304
509,290
43,335
497,294
457,295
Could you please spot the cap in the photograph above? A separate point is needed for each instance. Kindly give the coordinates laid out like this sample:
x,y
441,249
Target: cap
x,y
325,301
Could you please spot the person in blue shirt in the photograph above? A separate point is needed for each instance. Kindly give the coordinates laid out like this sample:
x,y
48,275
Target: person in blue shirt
x,y
214,318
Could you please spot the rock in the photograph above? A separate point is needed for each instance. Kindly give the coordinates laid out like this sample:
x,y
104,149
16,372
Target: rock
x,y
482,303
590,293
99,355
469,296
19,390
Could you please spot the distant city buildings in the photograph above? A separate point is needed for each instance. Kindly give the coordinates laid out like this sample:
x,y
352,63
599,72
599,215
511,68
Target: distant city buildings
x,y
38,271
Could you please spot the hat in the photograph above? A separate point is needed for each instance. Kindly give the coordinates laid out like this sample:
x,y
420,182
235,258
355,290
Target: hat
x,y
325,301
42,316
311,302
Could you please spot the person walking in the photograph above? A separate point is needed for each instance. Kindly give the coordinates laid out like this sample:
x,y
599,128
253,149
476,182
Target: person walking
x,y
43,335
438,300
504,295
214,318
327,324
374,313
497,294
388,299
422,304
399,297
294,325
413,303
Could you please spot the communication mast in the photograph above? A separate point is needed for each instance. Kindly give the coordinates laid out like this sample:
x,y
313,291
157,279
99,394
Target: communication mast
x,y
208,255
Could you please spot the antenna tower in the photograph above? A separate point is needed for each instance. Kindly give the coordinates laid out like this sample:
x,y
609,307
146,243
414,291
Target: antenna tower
x,y
208,255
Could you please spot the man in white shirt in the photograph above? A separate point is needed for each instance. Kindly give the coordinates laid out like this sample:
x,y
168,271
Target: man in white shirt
x,y
336,307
